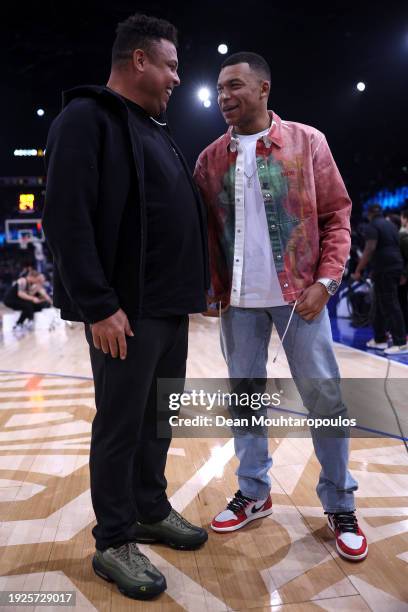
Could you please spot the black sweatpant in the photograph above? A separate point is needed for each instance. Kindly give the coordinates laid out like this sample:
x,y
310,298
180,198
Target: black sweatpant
x,y
387,311
27,308
127,459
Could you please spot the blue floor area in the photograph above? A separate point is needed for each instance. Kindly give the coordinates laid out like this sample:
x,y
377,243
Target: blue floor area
x,y
356,337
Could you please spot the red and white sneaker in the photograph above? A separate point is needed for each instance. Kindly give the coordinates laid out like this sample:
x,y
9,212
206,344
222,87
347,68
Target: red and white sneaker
x,y
240,511
351,542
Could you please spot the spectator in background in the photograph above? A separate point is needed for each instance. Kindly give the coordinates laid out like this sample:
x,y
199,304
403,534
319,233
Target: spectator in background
x,y
27,294
39,256
27,270
403,288
382,251
40,290
403,240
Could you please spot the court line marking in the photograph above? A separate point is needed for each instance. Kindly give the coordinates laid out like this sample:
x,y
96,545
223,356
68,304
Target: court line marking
x,y
46,374
282,409
305,415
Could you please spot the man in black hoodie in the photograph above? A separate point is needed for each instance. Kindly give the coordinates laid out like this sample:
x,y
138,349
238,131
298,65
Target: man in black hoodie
x,y
127,231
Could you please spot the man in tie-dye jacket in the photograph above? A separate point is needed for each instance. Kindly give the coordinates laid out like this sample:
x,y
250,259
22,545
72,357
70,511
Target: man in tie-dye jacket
x,y
279,236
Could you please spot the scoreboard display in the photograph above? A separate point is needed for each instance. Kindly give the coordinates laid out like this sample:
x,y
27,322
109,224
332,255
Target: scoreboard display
x,y
26,203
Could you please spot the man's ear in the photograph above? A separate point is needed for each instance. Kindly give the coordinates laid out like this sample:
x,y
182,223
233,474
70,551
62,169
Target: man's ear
x,y
139,60
265,89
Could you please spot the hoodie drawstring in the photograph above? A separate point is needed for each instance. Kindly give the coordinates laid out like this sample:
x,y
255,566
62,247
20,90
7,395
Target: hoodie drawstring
x,y
284,333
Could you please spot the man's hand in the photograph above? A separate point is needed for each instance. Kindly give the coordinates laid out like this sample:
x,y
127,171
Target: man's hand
x,y
356,276
312,301
213,306
110,334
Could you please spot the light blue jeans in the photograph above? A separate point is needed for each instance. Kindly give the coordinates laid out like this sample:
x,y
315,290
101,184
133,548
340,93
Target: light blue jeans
x,y
245,335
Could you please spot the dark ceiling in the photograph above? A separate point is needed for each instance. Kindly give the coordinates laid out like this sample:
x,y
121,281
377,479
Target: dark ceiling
x,y
317,56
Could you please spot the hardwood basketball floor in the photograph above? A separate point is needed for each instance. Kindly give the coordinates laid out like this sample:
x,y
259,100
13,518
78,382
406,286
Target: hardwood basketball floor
x,y
286,562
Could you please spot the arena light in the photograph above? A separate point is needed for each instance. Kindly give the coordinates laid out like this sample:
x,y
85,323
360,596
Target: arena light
x,y
207,103
29,152
25,152
40,112
203,94
361,86
389,199
222,48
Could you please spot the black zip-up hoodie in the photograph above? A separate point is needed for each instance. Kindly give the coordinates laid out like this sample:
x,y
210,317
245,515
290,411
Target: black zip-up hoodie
x,y
95,211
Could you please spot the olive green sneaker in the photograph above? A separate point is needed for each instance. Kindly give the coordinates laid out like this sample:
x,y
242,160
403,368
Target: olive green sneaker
x,y
174,530
130,570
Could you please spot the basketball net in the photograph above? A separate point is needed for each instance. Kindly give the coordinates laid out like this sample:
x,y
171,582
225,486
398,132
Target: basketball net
x,y
24,240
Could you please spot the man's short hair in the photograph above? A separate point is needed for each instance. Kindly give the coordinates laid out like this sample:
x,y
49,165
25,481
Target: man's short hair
x,y
374,209
140,32
256,63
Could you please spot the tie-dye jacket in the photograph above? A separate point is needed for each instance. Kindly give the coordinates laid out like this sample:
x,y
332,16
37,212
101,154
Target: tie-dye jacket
x,y
306,203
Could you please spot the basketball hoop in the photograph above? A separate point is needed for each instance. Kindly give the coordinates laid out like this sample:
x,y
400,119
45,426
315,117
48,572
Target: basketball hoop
x,y
18,229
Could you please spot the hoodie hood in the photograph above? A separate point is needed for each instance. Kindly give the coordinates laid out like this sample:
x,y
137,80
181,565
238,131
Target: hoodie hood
x,y
103,93
88,91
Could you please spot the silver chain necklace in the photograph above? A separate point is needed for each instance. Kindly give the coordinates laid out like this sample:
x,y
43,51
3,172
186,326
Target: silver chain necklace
x,y
250,177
